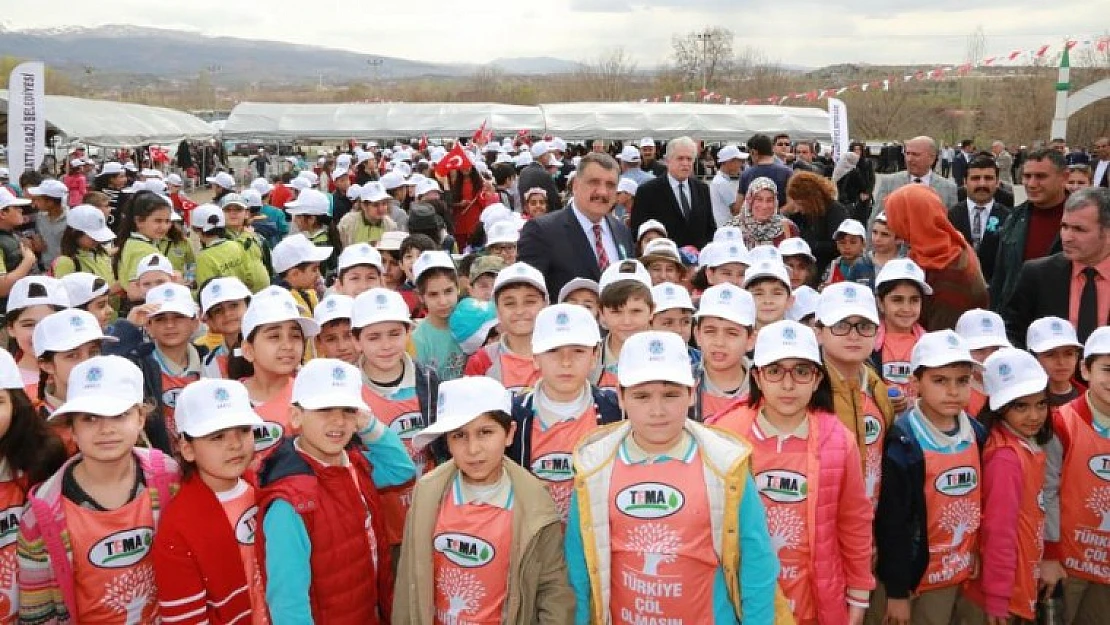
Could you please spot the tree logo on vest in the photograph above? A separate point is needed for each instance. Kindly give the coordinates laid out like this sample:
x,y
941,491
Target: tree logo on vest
x,y
122,549
555,467
267,435
650,500
408,424
1100,466
957,482
872,429
9,525
782,486
246,525
464,550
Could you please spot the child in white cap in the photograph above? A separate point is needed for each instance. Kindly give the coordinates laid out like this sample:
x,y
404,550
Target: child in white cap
x,y
674,312
238,219
85,538
333,315
1011,539
984,331
583,292
483,541
221,256
800,262
519,293
852,265
929,501
298,264
900,289
768,280
84,244
214,515
311,213
223,302
360,269
808,471
726,327
663,262
626,309
1053,341
323,530
31,299
664,503
437,284
725,262
649,231
91,293
563,407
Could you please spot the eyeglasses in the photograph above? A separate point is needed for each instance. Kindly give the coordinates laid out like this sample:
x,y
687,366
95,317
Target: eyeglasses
x,y
801,374
864,328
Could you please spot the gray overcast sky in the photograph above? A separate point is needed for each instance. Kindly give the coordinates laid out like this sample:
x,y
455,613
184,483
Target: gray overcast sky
x,y
799,32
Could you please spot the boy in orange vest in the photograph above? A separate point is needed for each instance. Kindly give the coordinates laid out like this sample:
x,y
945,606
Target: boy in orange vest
x,y
519,293
626,308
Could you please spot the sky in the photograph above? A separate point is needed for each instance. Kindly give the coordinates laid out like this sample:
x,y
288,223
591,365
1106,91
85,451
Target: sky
x,y
810,33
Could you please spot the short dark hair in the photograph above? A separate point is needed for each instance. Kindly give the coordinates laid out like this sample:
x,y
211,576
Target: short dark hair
x,y
421,242
435,272
781,135
601,159
616,296
1050,155
502,172
966,143
983,161
761,144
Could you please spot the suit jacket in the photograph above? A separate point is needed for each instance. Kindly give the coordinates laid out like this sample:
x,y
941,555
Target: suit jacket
x,y
988,247
1043,289
1105,182
655,200
1001,196
556,245
959,168
886,185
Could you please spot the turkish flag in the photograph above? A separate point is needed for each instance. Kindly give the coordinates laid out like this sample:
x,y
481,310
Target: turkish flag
x,y
455,159
480,133
423,142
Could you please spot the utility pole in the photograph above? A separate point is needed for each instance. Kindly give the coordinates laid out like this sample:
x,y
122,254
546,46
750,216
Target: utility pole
x,y
705,37
375,64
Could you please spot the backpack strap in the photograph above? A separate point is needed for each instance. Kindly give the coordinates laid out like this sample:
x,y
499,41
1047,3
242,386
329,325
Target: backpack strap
x,y
59,562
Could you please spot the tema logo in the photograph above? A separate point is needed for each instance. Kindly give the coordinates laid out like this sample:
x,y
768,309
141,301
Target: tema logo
x,y
782,486
122,549
1100,466
246,525
650,500
464,550
553,467
872,429
958,481
267,435
408,424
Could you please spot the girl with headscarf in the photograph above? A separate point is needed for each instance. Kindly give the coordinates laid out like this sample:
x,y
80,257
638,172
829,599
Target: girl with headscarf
x,y
760,219
916,215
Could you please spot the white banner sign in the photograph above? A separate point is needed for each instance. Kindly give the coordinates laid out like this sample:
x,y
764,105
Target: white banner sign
x,y
838,127
26,118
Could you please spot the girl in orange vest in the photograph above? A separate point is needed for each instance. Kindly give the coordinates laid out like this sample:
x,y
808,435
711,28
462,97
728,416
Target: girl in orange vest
x,y
929,500
274,335
213,515
807,468
900,289
29,454
1011,540
985,333
1077,529
84,542
483,542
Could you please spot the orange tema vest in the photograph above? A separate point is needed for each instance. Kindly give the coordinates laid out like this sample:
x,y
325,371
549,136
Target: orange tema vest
x,y
516,373
1085,499
874,431
12,499
663,561
404,418
171,388
113,572
896,370
472,545
952,504
275,426
242,514
552,451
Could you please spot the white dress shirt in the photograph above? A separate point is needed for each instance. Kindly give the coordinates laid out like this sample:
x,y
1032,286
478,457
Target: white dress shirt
x,y
722,193
1102,169
926,180
978,236
607,240
677,198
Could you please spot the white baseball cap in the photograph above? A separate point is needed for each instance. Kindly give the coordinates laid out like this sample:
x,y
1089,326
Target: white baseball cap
x,y
172,298
10,376
372,192
354,192
174,180
729,302
1098,343
577,284
153,262
391,241
252,198
37,291
654,356
428,185
82,287
90,220
213,404
767,269
494,213
7,199
850,226
1048,333
334,306
233,198
629,154
539,148
328,383
650,225
647,142
223,179
842,300
461,401
564,324
360,254
151,173
261,185
730,152
726,253
903,269
220,290
729,234
1010,374
294,250
764,253
519,273
207,217
301,184
796,246
671,296
391,180
658,249
622,271
806,299
339,172
106,386
523,159
274,304
379,305
627,185
982,328
431,259
65,330
785,339
940,349
503,232
309,202
50,188
111,168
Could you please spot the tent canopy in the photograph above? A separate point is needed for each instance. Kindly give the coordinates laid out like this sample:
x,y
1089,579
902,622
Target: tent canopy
x,y
574,121
117,124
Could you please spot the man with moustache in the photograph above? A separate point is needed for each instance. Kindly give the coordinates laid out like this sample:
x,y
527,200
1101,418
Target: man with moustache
x,y
648,161
980,216
583,239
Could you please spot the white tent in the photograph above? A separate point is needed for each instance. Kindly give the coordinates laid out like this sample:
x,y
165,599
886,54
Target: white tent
x,y
117,124
262,120
662,121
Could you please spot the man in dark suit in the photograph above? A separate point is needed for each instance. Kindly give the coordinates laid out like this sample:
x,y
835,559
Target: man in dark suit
x,y
961,160
677,200
583,239
979,215
1046,286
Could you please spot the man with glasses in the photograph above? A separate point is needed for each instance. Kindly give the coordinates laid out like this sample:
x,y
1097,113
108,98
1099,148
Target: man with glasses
x,y
1102,166
783,153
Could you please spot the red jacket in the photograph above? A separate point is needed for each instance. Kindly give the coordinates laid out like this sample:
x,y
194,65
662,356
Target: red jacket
x,y
331,507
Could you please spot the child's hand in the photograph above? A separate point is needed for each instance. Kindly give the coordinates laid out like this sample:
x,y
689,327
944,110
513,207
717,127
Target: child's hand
x,y
1052,573
140,314
900,403
362,421
897,612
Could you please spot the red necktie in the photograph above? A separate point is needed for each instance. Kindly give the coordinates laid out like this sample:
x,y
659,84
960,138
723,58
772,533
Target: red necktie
x,y
602,257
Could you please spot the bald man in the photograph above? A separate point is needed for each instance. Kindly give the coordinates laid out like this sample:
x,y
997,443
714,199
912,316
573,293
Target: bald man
x,y
921,155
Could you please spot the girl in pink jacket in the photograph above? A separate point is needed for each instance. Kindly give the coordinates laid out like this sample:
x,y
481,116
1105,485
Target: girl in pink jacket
x,y
807,468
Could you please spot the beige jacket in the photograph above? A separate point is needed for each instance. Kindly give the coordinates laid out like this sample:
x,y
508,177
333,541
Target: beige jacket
x,y
538,588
